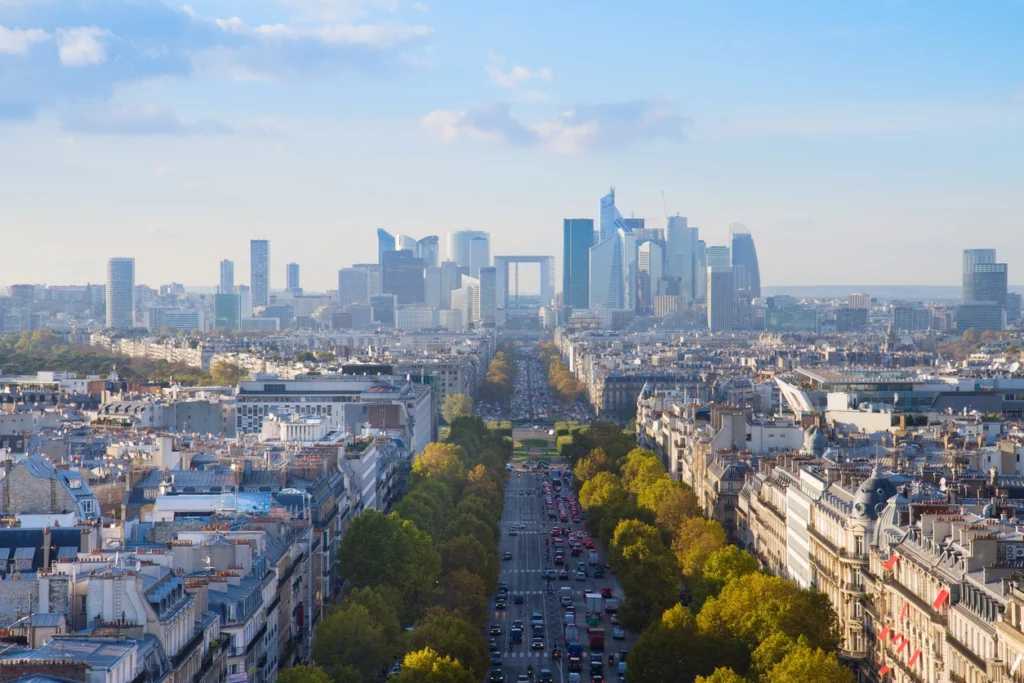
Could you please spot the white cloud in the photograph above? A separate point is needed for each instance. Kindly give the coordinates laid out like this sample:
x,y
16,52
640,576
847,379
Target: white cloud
x,y
516,75
367,35
584,128
15,41
161,171
337,10
420,7
82,46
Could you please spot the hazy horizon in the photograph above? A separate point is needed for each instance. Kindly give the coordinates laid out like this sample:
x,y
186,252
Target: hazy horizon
x,y
858,143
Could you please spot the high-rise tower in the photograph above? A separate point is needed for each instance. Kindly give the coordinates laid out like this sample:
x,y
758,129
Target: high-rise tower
x,y
470,249
744,255
227,277
259,272
577,239
120,293
385,243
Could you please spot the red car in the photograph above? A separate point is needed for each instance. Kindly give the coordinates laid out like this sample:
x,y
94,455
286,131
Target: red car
x,y
607,592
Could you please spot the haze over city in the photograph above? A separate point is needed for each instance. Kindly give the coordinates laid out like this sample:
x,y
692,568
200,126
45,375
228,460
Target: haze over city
x,y
862,143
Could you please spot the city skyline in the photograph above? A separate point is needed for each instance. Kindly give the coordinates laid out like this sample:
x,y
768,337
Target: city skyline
x,y
809,125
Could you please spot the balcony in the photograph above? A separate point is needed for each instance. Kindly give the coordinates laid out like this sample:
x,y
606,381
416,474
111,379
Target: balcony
x,y
186,651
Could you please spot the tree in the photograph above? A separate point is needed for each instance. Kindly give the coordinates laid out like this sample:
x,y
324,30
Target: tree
x,y
464,593
349,638
724,565
695,540
722,675
443,462
810,666
671,649
427,666
417,512
451,635
588,467
382,604
466,524
224,373
384,550
753,607
641,469
603,490
303,674
465,552
670,511
305,357
456,405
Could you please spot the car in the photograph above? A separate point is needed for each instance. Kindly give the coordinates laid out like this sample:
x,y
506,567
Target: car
x,y
496,676
563,575
566,601
496,657
517,624
607,592
522,678
500,604
596,661
546,676
503,587
492,644
596,678
598,573
513,532
623,654
506,556
580,576
495,629
549,573
615,619
574,678
537,644
537,618
618,633
518,598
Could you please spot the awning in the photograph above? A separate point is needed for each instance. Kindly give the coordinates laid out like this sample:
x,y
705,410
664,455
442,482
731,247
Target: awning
x,y
891,562
941,598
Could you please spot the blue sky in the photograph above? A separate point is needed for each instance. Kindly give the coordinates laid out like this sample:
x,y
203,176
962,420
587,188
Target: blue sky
x,y
861,143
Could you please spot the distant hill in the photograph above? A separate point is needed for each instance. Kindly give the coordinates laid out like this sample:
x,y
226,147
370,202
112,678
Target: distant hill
x,y
938,293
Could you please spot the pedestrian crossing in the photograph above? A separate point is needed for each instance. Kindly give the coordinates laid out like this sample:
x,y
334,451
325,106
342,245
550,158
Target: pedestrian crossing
x,y
522,571
527,655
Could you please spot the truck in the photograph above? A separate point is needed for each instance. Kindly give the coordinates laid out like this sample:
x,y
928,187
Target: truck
x,y
594,559
597,638
593,603
572,635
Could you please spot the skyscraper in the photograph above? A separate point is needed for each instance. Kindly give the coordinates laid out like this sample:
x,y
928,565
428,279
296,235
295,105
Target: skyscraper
x,y
983,278
352,286
405,242
227,311
432,287
428,249
718,256
649,268
402,275
488,294
745,254
450,281
227,277
720,298
613,277
577,239
259,272
611,219
293,278
461,249
120,293
681,257
385,243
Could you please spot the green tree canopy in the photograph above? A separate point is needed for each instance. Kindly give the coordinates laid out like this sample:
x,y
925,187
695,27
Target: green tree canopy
x,y
753,607
451,635
586,468
695,540
350,638
726,564
722,675
641,469
427,666
455,406
384,550
809,666
464,593
466,552
671,649
224,373
303,674
678,504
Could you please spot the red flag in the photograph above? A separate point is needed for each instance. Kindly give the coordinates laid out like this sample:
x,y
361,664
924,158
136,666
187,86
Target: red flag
x,y
906,641
884,632
941,598
891,562
884,670
914,658
903,612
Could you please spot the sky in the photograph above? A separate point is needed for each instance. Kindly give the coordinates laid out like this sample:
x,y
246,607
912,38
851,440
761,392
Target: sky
x,y
860,142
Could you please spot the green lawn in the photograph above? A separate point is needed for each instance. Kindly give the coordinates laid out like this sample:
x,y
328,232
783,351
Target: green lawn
x,y
535,443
